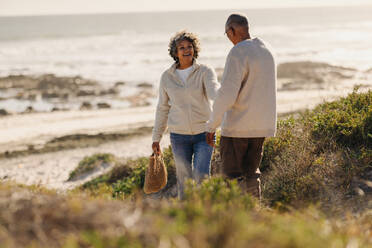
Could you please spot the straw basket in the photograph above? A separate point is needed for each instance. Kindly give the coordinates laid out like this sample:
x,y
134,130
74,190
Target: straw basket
x,y
156,174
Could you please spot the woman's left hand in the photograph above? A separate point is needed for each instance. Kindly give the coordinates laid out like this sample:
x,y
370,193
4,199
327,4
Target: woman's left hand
x,y
156,147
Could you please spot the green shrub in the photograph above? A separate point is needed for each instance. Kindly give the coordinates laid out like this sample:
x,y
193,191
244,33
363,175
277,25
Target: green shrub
x,y
214,214
91,163
168,157
316,157
97,240
129,176
347,121
121,170
217,214
275,147
134,181
171,169
217,190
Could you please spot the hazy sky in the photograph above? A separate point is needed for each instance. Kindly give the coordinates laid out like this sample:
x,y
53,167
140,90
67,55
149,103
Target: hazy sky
x,y
42,7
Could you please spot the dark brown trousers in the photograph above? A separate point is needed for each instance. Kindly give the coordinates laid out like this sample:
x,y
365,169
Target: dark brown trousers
x,y
241,158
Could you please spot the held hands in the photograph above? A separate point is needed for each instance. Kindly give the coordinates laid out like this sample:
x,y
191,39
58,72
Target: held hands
x,y
211,139
156,148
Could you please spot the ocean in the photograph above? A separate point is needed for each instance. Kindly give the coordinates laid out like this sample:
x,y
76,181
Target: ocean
x,y
133,47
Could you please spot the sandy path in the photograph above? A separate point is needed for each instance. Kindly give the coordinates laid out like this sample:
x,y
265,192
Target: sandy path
x,y
52,169
37,128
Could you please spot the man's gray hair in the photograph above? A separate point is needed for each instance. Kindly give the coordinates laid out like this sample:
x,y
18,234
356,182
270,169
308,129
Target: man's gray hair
x,y
237,19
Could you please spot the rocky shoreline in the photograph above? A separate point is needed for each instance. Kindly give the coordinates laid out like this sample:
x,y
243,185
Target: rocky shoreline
x,y
48,93
307,75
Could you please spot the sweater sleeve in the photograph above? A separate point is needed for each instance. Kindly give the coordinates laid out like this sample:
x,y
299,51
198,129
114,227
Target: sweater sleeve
x,y
161,116
233,76
211,84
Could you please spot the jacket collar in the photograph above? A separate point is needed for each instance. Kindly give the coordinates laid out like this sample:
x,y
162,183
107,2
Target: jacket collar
x,y
195,66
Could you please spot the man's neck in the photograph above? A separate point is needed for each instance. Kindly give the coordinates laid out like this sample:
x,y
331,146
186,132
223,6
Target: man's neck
x,y
246,37
243,37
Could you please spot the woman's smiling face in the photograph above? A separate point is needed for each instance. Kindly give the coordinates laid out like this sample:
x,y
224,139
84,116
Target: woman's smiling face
x,y
185,53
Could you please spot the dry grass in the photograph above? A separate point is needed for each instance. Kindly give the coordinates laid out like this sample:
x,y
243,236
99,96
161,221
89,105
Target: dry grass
x,y
48,219
317,169
214,214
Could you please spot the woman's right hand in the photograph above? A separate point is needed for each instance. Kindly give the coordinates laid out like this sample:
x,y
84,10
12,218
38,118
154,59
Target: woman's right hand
x,y
156,147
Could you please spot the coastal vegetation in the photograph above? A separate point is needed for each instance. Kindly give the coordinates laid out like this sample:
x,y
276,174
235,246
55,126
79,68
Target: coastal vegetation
x,y
316,184
89,164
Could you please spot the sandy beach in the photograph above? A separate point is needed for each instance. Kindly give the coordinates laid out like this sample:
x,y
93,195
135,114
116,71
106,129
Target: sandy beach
x,y
17,131
79,86
51,169
43,147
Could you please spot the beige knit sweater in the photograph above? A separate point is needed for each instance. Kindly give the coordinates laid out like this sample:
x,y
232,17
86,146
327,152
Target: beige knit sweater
x,y
185,107
246,101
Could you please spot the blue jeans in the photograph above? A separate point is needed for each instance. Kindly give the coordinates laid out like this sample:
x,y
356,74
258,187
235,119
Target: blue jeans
x,y
188,150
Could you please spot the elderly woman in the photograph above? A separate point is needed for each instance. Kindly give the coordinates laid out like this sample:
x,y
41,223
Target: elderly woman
x,y
185,93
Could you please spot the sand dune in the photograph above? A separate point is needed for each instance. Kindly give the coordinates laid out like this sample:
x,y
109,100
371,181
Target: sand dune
x,y
52,169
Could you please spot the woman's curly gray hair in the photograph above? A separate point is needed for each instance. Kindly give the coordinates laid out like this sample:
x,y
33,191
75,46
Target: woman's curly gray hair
x,y
180,36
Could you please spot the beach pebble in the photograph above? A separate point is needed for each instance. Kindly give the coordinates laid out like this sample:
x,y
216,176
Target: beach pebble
x,y
3,112
103,105
29,109
86,93
86,105
144,85
59,109
111,91
49,94
117,84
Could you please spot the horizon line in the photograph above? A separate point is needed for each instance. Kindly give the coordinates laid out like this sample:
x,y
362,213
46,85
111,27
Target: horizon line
x,y
175,11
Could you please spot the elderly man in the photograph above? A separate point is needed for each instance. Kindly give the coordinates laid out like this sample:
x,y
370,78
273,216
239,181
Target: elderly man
x,y
245,104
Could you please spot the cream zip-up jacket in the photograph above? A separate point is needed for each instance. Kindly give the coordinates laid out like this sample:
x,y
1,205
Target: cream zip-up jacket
x,y
185,107
246,101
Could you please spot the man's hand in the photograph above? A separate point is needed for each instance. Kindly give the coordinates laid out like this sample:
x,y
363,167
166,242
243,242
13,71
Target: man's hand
x,y
211,139
156,148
